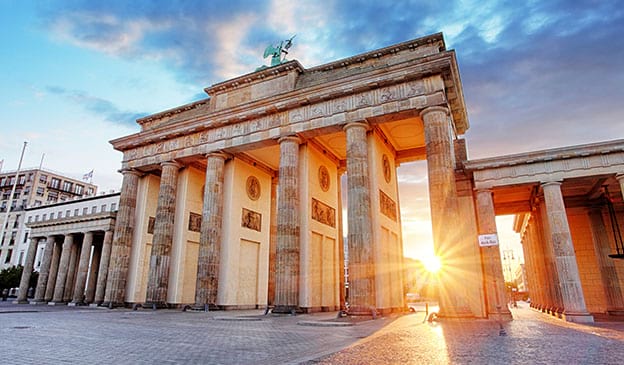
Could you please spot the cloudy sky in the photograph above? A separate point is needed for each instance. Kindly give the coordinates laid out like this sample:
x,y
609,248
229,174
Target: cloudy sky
x,y
75,74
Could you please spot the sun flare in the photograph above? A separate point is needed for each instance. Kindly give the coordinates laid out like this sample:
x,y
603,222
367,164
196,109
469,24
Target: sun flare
x,y
432,264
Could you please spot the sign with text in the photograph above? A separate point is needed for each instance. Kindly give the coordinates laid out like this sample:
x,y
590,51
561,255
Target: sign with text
x,y
487,240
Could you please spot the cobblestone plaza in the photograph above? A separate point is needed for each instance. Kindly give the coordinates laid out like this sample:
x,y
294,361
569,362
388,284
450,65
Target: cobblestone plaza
x,y
54,335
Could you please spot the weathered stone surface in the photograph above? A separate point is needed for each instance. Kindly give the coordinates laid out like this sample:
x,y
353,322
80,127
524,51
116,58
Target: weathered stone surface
x,y
158,277
103,269
83,267
360,237
44,271
27,270
287,250
122,240
208,260
63,268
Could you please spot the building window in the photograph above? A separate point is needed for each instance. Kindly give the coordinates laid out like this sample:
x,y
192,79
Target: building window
x,y
93,209
37,218
29,218
67,213
52,215
3,181
76,212
12,241
21,258
67,186
43,178
52,196
40,191
113,207
55,183
90,191
85,210
8,257
44,217
79,189
25,237
38,203
22,179
103,209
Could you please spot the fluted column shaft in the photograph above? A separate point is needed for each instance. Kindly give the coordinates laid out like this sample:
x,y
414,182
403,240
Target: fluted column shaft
x,y
63,268
83,268
44,270
209,257
443,204
287,250
93,274
122,240
272,241
22,296
100,288
71,273
158,279
54,265
495,281
606,266
360,239
564,256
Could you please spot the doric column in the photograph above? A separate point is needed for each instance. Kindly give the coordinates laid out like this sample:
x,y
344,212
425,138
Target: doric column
x,y
158,279
341,251
122,240
272,241
93,274
100,287
606,266
495,281
360,239
564,256
54,264
287,250
620,179
63,266
83,268
208,260
71,273
22,296
44,271
444,210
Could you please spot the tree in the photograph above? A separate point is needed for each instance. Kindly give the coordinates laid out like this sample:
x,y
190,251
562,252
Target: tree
x,y
10,277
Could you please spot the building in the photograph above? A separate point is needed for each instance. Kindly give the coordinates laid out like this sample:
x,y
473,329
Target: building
x,y
231,201
33,188
69,244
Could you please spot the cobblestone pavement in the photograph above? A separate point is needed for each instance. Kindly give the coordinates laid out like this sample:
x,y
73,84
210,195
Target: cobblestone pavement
x,y
62,335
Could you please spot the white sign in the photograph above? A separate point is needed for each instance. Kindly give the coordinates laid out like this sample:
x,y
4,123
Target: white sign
x,y
486,240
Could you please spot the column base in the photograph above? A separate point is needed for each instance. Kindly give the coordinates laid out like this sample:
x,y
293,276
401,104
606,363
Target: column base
x,y
155,305
38,302
615,312
577,317
362,311
503,316
25,301
286,309
57,303
76,304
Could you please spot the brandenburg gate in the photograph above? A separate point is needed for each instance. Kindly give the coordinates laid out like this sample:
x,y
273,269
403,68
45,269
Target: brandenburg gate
x,y
235,201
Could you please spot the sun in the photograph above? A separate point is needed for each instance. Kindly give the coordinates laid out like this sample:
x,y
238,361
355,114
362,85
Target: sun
x,y
432,264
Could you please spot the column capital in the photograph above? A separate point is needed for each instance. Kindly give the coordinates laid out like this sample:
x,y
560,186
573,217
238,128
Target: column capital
x,y
364,124
292,138
484,190
220,154
437,108
130,171
171,163
551,183
620,177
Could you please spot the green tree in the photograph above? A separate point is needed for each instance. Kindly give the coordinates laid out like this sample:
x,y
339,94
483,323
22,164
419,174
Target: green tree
x,y
10,277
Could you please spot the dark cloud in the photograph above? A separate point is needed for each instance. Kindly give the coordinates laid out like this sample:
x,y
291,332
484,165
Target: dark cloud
x,y
98,106
535,74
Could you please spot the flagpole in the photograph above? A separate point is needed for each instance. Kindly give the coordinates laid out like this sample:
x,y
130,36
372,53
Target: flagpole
x,y
6,216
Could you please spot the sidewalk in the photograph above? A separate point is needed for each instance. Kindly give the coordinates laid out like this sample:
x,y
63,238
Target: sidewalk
x,y
52,335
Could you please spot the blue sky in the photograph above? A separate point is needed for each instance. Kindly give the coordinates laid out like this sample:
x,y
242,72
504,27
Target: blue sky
x,y
75,74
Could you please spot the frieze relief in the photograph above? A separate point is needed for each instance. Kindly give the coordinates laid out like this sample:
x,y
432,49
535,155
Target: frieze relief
x,y
323,213
393,93
387,206
195,220
251,220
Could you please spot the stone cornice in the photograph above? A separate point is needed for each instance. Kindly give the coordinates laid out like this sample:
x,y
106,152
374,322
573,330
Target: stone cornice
x,y
600,148
254,77
172,111
378,78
